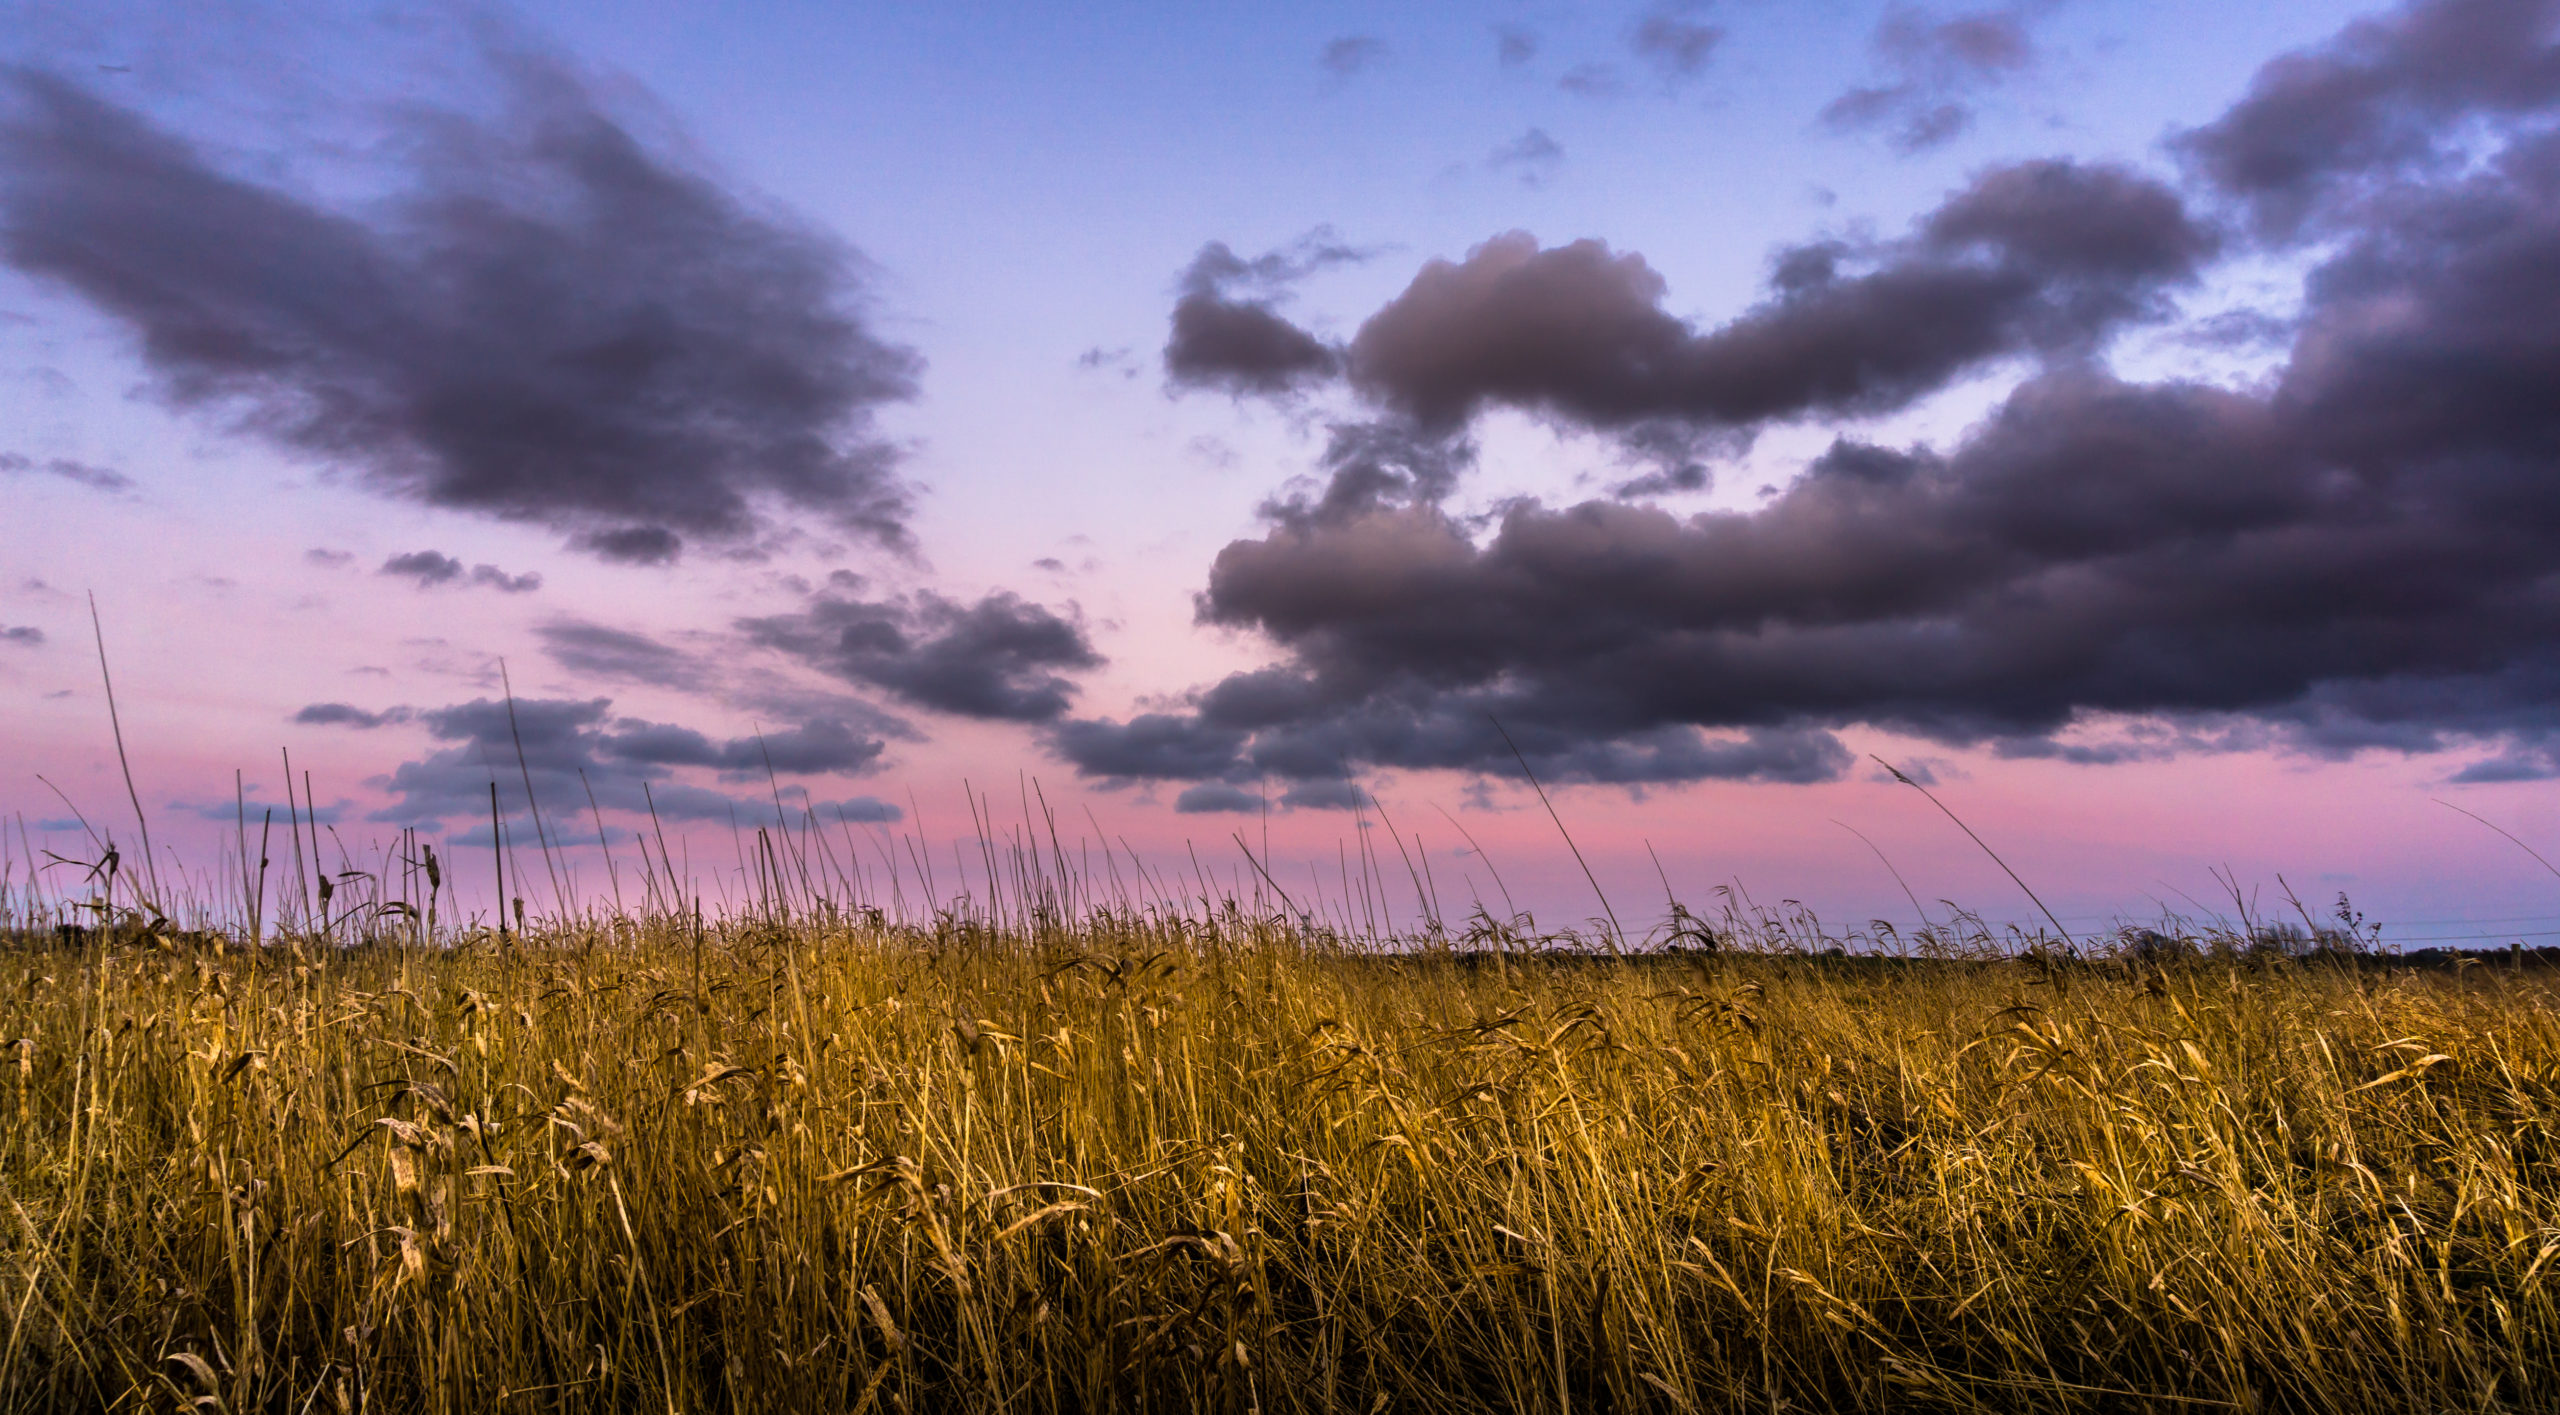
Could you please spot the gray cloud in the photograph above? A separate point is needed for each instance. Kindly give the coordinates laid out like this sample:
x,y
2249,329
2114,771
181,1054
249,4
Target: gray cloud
x,y
494,578
1152,746
1514,45
822,746
229,812
347,715
553,324
2043,256
2357,553
863,810
1322,796
1685,478
832,724
18,464
1674,44
1533,157
621,655
1346,55
1367,465
427,567
1311,733
432,568
569,746
1589,80
632,545
1227,332
1215,796
25,636
2240,329
1002,658
1934,65
2385,97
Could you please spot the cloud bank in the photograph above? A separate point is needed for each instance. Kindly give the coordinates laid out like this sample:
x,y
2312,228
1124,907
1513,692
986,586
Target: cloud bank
x,y
2361,551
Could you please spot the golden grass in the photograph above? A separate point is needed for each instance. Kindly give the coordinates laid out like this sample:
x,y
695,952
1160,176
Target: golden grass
x,y
1157,1165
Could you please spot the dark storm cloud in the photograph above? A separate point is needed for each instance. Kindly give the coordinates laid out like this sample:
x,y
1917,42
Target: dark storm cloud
x,y
1227,332
431,568
1933,66
553,324
18,464
2387,96
570,746
348,715
1002,658
2045,256
2360,552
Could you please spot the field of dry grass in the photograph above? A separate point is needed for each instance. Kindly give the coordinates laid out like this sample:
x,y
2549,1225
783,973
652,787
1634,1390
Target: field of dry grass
x,y
1149,1163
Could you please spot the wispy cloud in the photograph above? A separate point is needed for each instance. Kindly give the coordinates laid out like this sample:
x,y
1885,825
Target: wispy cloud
x,y
1933,66
77,473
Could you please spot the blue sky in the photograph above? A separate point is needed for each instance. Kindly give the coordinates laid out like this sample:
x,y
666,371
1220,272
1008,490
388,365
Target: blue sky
x,y
1025,188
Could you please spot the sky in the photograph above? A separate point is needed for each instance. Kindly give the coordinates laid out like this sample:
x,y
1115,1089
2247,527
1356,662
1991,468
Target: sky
x,y
1268,435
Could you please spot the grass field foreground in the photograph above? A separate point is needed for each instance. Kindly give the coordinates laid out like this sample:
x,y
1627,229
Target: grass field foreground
x,y
1149,1163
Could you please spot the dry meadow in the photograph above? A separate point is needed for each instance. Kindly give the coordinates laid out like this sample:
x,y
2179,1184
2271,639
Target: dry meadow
x,y
1210,1160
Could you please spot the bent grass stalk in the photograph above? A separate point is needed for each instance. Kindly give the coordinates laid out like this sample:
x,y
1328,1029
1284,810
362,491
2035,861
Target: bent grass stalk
x,y
2022,885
